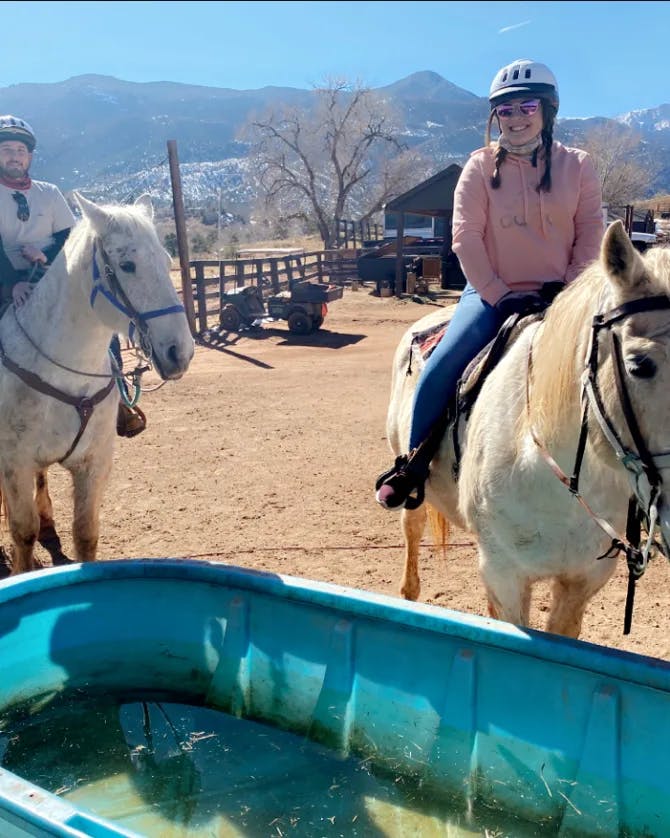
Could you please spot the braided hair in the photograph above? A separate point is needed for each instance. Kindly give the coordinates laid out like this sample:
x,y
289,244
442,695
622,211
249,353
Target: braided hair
x,y
549,112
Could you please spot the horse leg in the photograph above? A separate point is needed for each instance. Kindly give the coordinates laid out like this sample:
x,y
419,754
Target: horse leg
x,y
89,481
48,537
569,598
24,521
413,522
508,593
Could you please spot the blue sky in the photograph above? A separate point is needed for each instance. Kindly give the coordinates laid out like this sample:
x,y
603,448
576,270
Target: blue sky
x,y
608,57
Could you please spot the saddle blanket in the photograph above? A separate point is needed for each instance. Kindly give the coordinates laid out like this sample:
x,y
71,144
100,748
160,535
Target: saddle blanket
x,y
424,343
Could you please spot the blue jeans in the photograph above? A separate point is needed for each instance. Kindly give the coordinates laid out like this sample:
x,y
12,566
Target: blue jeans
x,y
474,324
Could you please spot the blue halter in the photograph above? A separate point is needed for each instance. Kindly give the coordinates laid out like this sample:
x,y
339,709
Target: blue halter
x,y
137,320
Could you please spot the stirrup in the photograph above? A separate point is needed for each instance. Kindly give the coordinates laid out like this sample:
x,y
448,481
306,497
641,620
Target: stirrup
x,y
406,480
130,421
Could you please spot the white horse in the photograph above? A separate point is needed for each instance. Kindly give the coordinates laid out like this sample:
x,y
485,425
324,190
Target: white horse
x,y
522,439
58,397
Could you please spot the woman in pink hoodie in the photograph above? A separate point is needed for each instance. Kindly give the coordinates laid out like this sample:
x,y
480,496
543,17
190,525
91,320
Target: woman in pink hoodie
x,y
527,220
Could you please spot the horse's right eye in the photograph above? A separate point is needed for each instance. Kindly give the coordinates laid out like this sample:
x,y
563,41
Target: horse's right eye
x,y
127,267
641,366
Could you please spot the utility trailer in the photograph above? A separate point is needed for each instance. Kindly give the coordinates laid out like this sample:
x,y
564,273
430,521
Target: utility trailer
x,y
304,306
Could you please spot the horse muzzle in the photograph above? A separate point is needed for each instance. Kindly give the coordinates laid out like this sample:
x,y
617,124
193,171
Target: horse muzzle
x,y
173,359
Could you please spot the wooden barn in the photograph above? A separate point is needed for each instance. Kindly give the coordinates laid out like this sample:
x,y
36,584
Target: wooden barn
x,y
433,197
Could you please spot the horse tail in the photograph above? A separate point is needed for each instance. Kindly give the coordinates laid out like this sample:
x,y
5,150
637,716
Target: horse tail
x,y
440,527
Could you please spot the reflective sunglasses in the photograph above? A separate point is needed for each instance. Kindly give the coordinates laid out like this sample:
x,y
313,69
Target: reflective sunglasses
x,y
527,108
22,208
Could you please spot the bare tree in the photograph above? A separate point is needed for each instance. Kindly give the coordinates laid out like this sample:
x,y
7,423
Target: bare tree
x,y
339,159
612,147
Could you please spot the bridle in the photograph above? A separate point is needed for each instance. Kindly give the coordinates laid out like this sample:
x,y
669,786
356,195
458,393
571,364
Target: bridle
x,y
642,467
116,295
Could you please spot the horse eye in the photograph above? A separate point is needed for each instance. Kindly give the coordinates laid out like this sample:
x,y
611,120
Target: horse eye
x,y
127,267
641,366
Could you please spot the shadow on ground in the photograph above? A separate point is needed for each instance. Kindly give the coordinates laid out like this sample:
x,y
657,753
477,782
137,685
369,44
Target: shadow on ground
x,y
222,340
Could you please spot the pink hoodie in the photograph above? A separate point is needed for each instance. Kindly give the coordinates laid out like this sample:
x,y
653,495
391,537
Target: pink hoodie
x,y
515,238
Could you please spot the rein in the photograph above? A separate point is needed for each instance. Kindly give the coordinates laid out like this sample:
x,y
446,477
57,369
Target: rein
x,y
56,363
641,465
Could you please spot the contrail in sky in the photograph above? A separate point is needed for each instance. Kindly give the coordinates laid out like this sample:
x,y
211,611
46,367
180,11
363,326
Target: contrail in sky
x,y
513,26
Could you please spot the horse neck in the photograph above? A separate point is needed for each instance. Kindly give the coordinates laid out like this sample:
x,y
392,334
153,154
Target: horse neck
x,y
558,358
58,315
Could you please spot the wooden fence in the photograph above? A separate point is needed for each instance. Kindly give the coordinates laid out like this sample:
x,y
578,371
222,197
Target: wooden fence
x,y
354,233
211,278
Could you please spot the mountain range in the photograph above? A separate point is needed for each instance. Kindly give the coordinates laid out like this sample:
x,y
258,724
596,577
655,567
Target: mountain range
x,y
108,137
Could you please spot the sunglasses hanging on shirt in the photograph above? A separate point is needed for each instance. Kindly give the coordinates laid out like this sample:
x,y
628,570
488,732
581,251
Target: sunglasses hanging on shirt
x,y
22,208
527,108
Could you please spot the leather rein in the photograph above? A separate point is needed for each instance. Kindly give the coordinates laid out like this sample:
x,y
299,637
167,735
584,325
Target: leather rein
x,y
138,322
642,467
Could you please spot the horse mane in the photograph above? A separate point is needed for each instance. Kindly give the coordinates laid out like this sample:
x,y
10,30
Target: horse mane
x,y
559,350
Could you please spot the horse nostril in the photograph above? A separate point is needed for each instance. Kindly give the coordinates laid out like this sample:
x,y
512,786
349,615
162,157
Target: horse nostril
x,y
173,355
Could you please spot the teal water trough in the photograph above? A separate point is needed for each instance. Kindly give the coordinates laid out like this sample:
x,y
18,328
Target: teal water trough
x,y
567,737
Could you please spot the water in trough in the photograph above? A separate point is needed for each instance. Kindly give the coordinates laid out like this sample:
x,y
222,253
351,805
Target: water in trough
x,y
166,769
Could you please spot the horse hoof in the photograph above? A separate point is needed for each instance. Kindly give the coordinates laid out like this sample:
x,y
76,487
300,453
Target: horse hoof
x,y
409,592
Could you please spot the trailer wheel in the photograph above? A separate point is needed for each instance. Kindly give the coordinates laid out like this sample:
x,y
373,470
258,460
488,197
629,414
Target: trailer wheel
x,y
318,322
230,319
299,322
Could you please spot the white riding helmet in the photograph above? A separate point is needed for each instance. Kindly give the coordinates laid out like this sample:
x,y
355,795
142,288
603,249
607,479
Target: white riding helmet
x,y
13,128
523,76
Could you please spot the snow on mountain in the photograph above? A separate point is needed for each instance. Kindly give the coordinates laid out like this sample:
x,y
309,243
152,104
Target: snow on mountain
x,y
108,137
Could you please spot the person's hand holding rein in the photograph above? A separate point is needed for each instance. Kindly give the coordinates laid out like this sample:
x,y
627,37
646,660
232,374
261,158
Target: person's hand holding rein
x,y
33,254
529,301
516,302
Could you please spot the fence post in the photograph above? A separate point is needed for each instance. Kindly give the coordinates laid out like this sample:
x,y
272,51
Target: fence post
x,y
399,259
258,270
628,219
200,293
222,282
182,239
319,266
289,271
239,273
274,276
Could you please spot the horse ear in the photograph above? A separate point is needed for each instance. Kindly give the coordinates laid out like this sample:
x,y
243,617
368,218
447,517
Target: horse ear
x,y
144,203
97,216
621,261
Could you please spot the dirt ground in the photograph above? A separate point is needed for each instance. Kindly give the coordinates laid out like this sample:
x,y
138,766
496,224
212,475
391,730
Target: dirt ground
x,y
265,454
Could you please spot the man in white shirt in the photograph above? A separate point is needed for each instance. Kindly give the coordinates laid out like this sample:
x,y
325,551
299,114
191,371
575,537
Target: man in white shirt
x,y
35,219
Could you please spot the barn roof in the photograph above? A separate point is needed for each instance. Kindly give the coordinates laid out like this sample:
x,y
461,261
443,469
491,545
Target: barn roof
x,y
434,196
